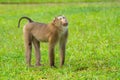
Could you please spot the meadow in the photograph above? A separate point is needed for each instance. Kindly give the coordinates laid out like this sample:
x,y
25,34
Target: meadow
x,y
54,1
93,47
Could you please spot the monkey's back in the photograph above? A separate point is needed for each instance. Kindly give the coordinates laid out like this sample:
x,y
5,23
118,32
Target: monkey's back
x,y
38,30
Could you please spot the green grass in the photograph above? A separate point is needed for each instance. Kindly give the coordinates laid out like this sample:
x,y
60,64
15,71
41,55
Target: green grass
x,y
52,1
93,48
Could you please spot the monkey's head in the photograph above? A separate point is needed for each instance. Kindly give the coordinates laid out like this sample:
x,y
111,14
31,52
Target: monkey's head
x,y
60,21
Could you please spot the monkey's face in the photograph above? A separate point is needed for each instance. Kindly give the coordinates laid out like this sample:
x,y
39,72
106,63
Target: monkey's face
x,y
61,21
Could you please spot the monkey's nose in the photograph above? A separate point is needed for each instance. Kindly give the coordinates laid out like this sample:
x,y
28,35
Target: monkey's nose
x,y
65,24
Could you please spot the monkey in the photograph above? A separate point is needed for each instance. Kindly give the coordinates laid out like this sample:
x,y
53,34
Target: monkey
x,y
54,32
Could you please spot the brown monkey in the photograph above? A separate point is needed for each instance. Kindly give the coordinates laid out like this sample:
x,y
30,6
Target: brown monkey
x,y
35,32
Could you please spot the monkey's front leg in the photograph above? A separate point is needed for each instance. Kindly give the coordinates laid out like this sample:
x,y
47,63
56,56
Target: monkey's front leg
x,y
51,54
62,53
62,44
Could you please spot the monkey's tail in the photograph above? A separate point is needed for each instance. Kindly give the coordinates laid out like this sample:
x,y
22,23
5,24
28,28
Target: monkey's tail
x,y
24,17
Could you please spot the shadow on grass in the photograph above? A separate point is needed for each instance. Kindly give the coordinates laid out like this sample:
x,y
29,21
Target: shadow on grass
x,y
81,69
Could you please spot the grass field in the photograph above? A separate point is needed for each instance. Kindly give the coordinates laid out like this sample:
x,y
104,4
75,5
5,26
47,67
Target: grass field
x,y
54,1
93,48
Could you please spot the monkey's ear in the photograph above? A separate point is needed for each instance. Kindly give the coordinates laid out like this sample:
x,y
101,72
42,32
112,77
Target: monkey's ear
x,y
54,19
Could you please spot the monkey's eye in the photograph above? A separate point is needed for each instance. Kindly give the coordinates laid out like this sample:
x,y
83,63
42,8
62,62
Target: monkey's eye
x,y
60,18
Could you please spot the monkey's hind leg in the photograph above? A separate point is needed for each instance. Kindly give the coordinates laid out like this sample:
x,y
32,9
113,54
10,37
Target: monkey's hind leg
x,y
36,44
28,48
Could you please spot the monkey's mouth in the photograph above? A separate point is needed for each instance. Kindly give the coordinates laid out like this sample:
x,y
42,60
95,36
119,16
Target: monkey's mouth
x,y
65,24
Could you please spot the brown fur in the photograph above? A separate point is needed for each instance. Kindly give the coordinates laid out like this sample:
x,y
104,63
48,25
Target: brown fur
x,y
53,32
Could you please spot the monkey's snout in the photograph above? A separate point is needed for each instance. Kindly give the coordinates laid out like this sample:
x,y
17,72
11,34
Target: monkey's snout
x,y
65,24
